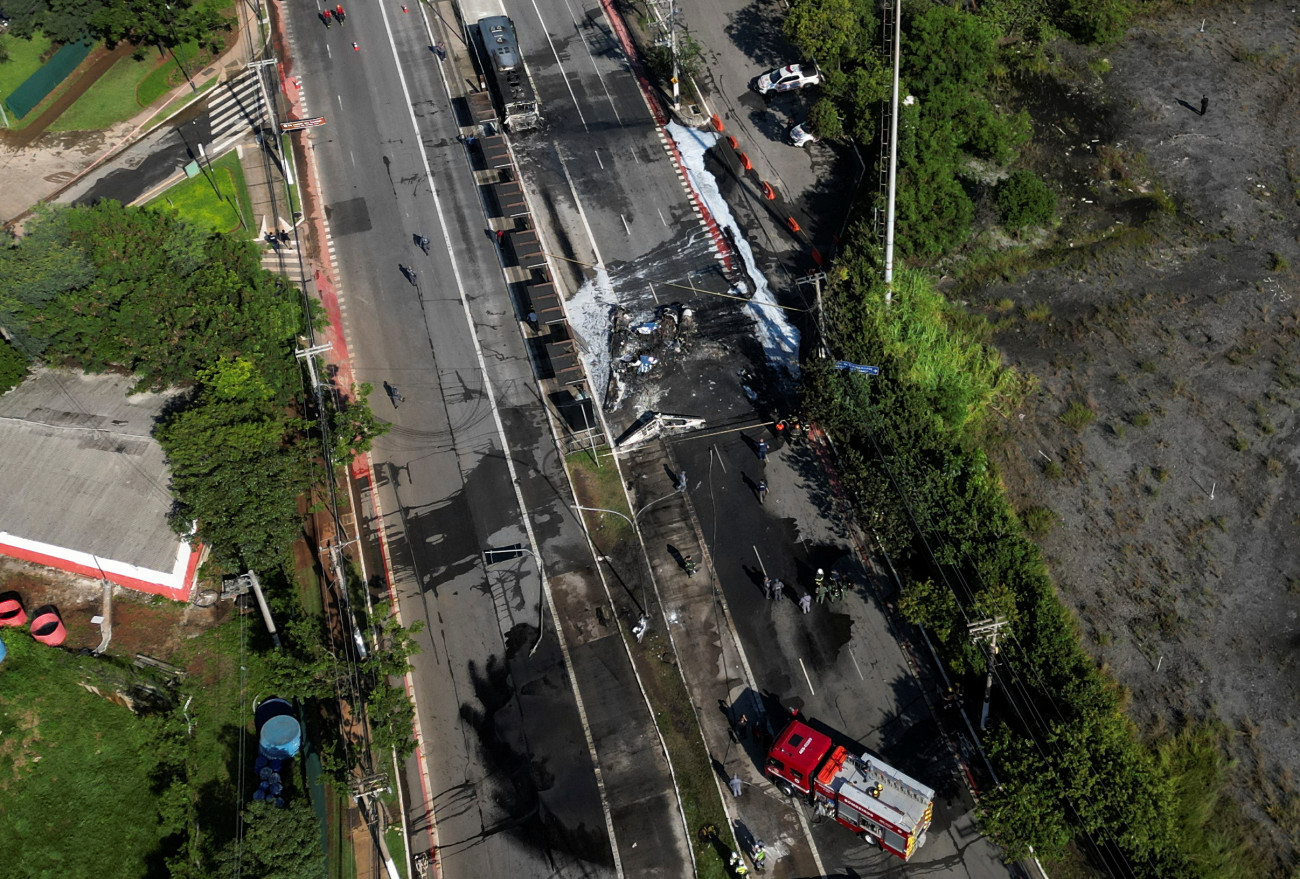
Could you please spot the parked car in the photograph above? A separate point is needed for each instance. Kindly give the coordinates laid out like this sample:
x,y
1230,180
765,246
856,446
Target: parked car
x,y
788,78
801,136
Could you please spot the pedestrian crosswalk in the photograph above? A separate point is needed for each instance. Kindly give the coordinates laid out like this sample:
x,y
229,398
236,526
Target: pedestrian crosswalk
x,y
236,106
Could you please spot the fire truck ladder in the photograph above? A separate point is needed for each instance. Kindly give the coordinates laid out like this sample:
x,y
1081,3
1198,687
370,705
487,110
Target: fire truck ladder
x,y
889,9
869,769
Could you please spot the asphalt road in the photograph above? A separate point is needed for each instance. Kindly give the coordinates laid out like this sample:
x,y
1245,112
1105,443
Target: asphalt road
x,y
607,189
513,783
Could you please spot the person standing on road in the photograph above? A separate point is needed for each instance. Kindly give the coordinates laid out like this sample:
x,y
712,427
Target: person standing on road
x,y
681,481
735,784
689,564
328,17
762,491
424,244
762,450
339,13
805,602
778,590
1205,103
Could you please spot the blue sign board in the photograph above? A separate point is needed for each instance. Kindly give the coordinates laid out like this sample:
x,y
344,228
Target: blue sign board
x,y
857,367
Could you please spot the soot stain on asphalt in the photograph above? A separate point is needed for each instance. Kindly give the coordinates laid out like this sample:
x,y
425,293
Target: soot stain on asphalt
x,y
520,777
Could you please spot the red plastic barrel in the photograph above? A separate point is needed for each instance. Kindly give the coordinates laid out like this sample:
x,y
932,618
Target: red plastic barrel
x,y
11,611
48,628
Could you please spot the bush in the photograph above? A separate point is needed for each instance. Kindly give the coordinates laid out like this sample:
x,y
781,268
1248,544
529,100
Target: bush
x,y
1024,201
824,120
13,367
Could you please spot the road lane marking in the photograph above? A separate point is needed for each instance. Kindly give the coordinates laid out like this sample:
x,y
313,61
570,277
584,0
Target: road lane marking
x,y
598,159
625,225
661,217
564,73
855,664
578,29
631,149
501,435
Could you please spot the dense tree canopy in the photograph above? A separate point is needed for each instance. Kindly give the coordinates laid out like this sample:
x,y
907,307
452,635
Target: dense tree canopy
x,y
166,23
111,287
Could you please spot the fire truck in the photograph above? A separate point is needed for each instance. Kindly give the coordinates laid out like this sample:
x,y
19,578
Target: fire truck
x,y
864,794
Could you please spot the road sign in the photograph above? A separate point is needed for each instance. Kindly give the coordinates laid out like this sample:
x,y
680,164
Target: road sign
x,y
300,124
857,367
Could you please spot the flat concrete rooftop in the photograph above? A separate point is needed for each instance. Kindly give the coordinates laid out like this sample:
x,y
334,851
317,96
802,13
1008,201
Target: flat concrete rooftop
x,y
82,472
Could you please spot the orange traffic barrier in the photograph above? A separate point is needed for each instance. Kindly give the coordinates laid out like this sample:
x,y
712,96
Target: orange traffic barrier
x,y
817,257
746,163
793,224
768,191
717,123
735,144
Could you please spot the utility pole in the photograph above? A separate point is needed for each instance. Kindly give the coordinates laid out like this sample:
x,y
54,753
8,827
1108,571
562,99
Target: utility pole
x,y
672,36
987,631
893,155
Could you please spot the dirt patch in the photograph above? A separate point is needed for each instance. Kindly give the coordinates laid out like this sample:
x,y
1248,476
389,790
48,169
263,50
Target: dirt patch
x,y
142,623
1173,319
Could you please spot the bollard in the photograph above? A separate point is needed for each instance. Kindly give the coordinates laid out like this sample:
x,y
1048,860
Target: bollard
x,y
793,224
745,163
717,123
735,144
768,191
817,257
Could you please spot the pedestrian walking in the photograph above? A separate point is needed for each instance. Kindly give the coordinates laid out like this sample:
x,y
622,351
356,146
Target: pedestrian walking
x,y
339,13
735,784
742,726
681,481
284,236
689,564
762,450
501,237
762,491
1205,103
737,864
328,17
424,244
778,590
395,396
805,602
767,588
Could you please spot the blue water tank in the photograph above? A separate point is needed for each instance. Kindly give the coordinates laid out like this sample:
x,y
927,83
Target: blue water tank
x,y
281,737
268,708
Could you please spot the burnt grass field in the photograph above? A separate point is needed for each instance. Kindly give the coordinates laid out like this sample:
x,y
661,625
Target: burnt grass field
x,y
1156,458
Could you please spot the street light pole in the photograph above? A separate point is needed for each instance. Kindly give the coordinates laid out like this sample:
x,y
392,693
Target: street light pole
x,y
636,529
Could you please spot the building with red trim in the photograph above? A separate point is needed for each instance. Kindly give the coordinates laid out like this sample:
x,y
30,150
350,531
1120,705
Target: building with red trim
x,y
85,485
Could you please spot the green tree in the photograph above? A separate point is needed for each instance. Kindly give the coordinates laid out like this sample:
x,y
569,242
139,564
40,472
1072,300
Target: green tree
x,y
824,119
238,467
826,30
354,426
163,23
945,46
13,366
1024,200
1095,21
278,843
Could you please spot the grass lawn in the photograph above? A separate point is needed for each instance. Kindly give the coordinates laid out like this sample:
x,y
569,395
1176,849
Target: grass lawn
x,y
599,487
74,771
24,60
197,201
111,99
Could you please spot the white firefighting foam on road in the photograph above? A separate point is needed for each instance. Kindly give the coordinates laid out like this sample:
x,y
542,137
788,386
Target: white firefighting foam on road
x,y
780,340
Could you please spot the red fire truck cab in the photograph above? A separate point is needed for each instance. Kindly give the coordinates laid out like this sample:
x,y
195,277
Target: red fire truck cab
x,y
862,793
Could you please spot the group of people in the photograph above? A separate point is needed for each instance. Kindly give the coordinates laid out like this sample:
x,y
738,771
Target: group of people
x,y
329,16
